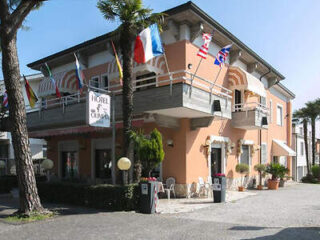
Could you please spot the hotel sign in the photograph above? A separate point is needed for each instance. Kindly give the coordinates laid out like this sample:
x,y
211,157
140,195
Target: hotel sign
x,y
98,109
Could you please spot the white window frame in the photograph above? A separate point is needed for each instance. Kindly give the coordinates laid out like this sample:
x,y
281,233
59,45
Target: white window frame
x,y
281,117
249,154
302,148
264,144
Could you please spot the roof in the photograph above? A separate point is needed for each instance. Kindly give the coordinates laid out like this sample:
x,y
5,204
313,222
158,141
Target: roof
x,y
286,89
30,77
186,6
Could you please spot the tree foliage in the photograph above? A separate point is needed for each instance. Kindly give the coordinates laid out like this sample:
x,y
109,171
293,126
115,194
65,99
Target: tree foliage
x,y
150,149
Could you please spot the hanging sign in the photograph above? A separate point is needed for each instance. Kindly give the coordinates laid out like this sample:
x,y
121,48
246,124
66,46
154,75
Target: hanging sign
x,y
98,109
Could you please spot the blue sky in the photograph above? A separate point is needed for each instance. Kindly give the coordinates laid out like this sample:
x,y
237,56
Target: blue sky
x,y
283,32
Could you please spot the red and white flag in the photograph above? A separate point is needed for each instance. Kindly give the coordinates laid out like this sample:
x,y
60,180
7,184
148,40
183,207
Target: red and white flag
x,y
203,51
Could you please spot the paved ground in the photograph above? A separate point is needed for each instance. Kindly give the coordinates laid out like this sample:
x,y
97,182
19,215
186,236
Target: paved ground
x,y
290,213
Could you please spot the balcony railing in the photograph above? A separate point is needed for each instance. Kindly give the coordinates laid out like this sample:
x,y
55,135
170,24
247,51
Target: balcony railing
x,y
250,106
170,79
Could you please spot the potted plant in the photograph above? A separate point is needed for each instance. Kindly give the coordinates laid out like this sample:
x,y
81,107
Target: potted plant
x,y
242,168
275,170
260,168
282,175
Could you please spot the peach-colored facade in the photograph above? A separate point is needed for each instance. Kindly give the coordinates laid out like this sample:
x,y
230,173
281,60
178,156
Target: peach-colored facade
x,y
190,156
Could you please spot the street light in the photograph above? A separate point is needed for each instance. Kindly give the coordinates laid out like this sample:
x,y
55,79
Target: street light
x,y
124,164
47,165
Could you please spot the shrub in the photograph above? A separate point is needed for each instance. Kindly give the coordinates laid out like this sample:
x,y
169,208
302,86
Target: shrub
x,y
309,179
242,168
276,170
103,196
316,171
260,168
8,182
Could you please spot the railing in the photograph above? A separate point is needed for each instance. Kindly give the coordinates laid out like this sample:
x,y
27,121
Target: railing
x,y
170,79
250,106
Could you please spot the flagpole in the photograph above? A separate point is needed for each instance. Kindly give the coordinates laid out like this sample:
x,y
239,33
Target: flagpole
x,y
167,65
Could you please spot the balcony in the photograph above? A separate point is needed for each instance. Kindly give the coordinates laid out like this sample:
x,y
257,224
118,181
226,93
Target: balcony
x,y
250,115
163,98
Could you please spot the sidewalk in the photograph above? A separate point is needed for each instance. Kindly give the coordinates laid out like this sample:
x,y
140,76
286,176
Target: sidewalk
x,y
182,205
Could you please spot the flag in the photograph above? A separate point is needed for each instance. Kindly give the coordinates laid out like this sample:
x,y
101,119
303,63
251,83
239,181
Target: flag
x,y
222,55
203,51
117,61
148,44
79,73
32,97
5,100
53,81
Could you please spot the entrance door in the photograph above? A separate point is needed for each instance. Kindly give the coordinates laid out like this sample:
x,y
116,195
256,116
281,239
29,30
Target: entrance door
x,y
237,100
216,161
103,163
69,164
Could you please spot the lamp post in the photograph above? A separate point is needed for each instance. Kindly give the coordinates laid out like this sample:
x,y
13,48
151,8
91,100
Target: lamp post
x,y
124,164
47,165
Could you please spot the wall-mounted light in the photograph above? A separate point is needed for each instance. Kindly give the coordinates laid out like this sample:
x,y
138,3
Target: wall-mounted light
x,y
190,66
170,143
233,145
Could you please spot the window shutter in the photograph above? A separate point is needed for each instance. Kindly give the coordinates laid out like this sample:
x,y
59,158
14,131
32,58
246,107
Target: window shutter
x,y
264,158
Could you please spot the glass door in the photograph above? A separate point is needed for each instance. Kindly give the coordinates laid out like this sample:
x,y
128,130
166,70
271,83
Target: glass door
x,y
216,161
103,164
70,164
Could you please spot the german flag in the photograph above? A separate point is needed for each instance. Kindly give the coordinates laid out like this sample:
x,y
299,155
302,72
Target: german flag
x,y
32,97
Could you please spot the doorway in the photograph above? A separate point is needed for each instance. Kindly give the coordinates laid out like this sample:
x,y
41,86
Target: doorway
x,y
216,163
69,164
103,164
237,100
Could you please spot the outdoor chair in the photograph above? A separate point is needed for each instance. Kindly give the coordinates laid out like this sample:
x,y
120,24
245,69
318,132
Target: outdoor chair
x,y
193,190
209,185
203,188
169,187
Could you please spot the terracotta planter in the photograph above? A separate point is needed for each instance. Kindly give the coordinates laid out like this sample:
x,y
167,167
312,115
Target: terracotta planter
x,y
273,184
260,187
241,189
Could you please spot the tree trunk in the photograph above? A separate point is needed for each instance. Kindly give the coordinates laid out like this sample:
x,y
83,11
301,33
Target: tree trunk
x,y
305,135
29,199
126,42
313,129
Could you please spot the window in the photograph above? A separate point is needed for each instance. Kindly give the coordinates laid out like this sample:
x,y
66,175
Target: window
x,y
104,82
69,164
245,154
148,79
279,115
263,101
94,82
301,130
237,100
301,148
271,111
264,153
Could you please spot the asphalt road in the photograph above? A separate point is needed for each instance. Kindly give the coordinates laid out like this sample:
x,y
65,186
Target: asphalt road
x,y
290,213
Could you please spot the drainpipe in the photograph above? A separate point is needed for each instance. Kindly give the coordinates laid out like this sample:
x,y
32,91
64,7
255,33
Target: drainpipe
x,y
260,131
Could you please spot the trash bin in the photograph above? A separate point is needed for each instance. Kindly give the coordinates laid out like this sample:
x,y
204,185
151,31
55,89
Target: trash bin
x,y
219,189
148,196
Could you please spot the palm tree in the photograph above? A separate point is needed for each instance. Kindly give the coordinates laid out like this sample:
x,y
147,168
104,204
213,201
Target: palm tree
x,y
12,15
133,17
302,115
312,109
317,103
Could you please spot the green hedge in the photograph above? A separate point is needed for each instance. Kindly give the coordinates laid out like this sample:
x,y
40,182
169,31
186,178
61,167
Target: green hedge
x,y
8,182
316,171
104,196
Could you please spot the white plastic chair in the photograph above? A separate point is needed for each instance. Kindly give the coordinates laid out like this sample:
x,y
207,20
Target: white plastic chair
x,y
169,187
202,187
209,185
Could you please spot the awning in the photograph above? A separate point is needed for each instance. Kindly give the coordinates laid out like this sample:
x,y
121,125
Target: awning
x,y
280,148
66,82
242,80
